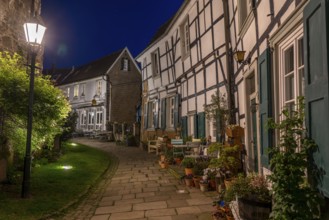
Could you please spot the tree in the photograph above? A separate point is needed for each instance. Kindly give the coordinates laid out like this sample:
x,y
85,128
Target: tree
x,y
293,196
50,107
218,111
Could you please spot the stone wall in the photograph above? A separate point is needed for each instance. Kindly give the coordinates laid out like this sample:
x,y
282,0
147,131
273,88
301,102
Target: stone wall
x,y
13,14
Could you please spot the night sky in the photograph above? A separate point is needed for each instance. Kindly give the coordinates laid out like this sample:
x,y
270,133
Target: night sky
x,y
80,31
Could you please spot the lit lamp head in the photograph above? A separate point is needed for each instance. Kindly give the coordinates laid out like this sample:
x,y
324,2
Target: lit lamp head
x,y
34,31
239,56
93,102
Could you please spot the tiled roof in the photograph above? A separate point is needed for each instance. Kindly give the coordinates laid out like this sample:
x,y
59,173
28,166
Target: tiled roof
x,y
161,30
91,70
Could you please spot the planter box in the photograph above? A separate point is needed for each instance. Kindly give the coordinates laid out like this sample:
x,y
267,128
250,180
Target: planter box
x,y
253,210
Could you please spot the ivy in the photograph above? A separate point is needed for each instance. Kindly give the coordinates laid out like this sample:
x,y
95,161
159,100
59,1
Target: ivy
x,y
293,196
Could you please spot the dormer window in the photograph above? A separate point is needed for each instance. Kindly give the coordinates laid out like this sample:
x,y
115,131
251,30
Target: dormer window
x,y
83,87
76,91
155,63
125,64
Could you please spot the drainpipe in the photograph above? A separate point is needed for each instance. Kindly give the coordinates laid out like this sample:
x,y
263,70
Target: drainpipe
x,y
229,64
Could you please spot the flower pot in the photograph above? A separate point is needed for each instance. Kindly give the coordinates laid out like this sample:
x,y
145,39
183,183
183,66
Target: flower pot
x,y
188,171
189,182
253,210
164,165
204,187
196,180
178,161
162,157
212,184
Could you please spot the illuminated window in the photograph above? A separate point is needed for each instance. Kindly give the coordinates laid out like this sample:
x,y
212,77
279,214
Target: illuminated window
x,y
83,87
76,90
83,118
99,117
91,118
125,64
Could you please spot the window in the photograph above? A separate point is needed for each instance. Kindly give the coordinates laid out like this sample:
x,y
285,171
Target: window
x,y
83,118
170,111
292,70
244,9
151,110
76,91
99,117
191,126
68,92
155,63
99,87
185,39
91,118
125,64
83,88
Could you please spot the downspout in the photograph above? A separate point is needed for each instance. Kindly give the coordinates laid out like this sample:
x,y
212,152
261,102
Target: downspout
x,y
229,64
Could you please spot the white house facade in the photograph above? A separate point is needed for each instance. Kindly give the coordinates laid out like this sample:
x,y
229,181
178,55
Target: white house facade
x,y
286,56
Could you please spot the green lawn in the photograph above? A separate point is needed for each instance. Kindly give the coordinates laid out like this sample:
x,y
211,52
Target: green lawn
x,y
55,185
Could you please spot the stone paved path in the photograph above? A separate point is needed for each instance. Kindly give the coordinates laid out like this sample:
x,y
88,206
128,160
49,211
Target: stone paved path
x,y
137,188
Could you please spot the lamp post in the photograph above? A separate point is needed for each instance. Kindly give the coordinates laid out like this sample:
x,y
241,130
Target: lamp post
x,y
34,32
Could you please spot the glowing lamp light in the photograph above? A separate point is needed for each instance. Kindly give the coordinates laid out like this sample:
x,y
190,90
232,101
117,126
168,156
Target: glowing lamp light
x,y
73,144
66,167
34,32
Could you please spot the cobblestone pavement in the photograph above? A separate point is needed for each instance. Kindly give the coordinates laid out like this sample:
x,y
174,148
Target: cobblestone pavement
x,y
135,187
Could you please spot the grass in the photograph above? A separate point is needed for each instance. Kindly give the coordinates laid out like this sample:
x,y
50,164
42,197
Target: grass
x,y
55,185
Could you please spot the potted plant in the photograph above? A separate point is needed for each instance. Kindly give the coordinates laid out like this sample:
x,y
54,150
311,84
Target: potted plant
x,y
204,185
198,168
188,163
189,180
253,196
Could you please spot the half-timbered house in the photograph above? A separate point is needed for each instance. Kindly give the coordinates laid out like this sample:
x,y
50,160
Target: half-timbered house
x,y
182,67
286,56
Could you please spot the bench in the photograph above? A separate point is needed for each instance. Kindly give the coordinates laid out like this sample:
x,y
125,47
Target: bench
x,y
155,145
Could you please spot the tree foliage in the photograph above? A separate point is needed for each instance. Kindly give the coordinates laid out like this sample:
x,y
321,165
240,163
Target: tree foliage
x,y
50,107
294,197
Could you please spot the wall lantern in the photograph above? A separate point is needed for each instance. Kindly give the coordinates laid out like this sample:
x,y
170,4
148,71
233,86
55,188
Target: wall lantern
x,y
239,57
93,102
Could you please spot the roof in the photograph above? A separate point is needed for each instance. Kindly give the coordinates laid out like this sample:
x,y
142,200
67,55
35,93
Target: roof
x,y
165,27
91,70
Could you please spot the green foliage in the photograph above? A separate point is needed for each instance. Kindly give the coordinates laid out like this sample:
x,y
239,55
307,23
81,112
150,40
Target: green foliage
x,y
69,125
199,166
188,162
227,159
252,187
50,107
218,110
293,197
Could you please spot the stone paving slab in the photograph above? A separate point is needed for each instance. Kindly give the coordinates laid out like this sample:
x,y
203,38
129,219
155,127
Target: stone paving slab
x,y
135,187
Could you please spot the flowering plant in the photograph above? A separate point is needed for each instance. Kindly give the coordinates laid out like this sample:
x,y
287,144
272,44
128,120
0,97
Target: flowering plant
x,y
211,172
252,187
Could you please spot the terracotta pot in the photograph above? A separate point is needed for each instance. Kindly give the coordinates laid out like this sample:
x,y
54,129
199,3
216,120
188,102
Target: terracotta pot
x,y
178,161
188,171
196,180
164,165
189,182
212,184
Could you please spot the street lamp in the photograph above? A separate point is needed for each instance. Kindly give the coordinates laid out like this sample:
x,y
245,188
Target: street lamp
x,y
34,32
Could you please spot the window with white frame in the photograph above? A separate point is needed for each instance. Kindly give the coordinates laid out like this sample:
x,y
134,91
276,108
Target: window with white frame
x,y
190,123
125,64
91,118
185,38
83,118
155,63
99,87
99,116
76,91
170,112
151,110
292,69
83,88
68,92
